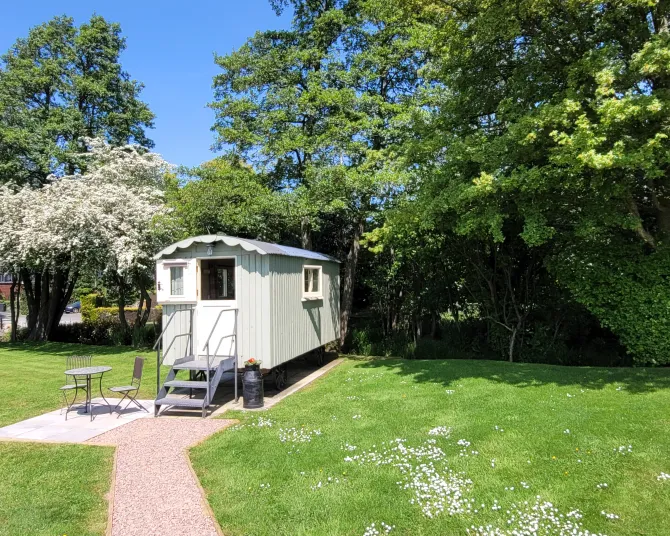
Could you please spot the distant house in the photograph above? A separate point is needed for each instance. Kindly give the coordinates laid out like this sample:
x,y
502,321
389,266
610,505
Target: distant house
x,y
5,283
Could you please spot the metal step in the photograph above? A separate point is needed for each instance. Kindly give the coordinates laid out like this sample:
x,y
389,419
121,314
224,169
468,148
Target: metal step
x,y
176,401
186,383
196,364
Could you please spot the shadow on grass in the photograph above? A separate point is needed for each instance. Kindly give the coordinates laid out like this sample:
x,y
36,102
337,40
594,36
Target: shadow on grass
x,y
66,349
449,372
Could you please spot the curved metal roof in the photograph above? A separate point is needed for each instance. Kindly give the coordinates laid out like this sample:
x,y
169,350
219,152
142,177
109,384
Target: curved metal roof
x,y
264,248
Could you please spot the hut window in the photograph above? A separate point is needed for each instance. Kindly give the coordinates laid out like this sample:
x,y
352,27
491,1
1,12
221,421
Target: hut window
x,y
218,279
176,281
312,281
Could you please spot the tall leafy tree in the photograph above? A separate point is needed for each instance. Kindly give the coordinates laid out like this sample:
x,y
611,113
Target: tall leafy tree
x,y
59,84
227,196
547,123
317,107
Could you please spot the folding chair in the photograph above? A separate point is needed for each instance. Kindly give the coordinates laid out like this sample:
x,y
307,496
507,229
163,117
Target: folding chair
x,y
130,391
73,362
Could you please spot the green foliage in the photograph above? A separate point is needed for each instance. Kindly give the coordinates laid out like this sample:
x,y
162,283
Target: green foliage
x,y
89,311
227,196
540,142
59,84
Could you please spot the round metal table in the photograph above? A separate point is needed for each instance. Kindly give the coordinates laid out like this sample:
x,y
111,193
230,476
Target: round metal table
x,y
88,373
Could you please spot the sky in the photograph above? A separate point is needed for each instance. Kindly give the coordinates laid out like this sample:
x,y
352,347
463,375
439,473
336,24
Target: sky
x,y
170,48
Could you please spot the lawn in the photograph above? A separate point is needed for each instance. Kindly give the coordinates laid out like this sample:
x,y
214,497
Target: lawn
x,y
30,375
449,447
53,490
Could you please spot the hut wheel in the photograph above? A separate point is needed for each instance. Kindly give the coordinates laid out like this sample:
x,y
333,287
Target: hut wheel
x,y
280,377
320,353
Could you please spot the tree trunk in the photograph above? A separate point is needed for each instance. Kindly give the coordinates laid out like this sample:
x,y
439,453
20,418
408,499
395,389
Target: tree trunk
x,y
14,306
433,325
350,266
47,295
512,339
143,311
306,233
121,302
32,285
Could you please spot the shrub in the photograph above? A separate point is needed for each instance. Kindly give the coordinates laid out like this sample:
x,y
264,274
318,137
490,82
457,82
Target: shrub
x,y
89,313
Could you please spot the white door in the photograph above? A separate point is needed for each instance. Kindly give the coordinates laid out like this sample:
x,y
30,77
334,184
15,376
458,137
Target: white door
x,y
217,320
216,310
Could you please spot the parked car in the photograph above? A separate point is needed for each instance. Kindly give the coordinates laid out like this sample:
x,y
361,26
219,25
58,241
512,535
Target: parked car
x,y
73,307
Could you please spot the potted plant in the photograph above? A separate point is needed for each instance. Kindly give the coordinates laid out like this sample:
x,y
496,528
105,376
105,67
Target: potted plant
x,y
252,364
252,384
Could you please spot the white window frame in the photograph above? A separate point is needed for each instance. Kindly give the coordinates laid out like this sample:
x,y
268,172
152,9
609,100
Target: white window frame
x,y
183,282
312,295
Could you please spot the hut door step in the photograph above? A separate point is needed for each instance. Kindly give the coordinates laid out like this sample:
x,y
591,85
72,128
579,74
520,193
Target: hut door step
x,y
163,398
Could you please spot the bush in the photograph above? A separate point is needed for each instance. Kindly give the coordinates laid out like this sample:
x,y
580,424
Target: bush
x,y
106,331
588,344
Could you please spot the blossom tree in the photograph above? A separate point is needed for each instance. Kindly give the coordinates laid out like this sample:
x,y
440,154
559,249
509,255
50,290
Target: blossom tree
x,y
101,219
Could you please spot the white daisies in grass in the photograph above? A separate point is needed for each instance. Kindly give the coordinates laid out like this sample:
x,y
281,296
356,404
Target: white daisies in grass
x,y
263,422
327,482
539,517
437,489
623,450
443,431
373,530
434,487
663,477
297,436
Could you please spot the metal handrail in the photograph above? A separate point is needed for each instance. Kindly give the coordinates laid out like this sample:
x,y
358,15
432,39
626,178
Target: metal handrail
x,y
209,364
221,340
159,343
160,337
172,342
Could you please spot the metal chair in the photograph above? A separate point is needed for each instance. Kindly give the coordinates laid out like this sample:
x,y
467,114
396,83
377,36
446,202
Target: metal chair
x,y
130,391
73,362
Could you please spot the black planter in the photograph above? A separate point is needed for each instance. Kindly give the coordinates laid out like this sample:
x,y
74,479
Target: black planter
x,y
252,387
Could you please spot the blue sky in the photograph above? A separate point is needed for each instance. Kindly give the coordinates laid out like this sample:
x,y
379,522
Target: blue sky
x,y
170,49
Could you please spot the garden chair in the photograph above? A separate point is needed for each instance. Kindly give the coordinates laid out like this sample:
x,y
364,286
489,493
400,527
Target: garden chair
x,y
72,362
131,391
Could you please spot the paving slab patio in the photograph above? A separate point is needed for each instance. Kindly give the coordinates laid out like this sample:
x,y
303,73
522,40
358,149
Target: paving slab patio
x,y
78,427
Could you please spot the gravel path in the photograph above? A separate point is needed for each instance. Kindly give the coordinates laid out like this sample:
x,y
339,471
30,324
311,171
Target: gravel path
x,y
155,490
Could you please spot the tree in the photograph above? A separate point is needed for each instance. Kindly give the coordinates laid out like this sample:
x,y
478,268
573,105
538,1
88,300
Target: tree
x,y
314,108
57,86
227,196
100,220
547,123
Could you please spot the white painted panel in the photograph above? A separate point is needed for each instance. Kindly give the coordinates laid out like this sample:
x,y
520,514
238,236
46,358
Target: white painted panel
x,y
163,280
174,345
217,319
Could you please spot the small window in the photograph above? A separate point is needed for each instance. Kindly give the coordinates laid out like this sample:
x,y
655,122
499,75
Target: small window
x,y
312,281
217,279
176,281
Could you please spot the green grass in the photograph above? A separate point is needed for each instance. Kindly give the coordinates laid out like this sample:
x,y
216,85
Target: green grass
x,y
52,490
30,375
606,409
46,489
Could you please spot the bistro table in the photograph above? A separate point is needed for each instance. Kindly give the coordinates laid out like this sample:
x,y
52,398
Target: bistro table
x,y
88,373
